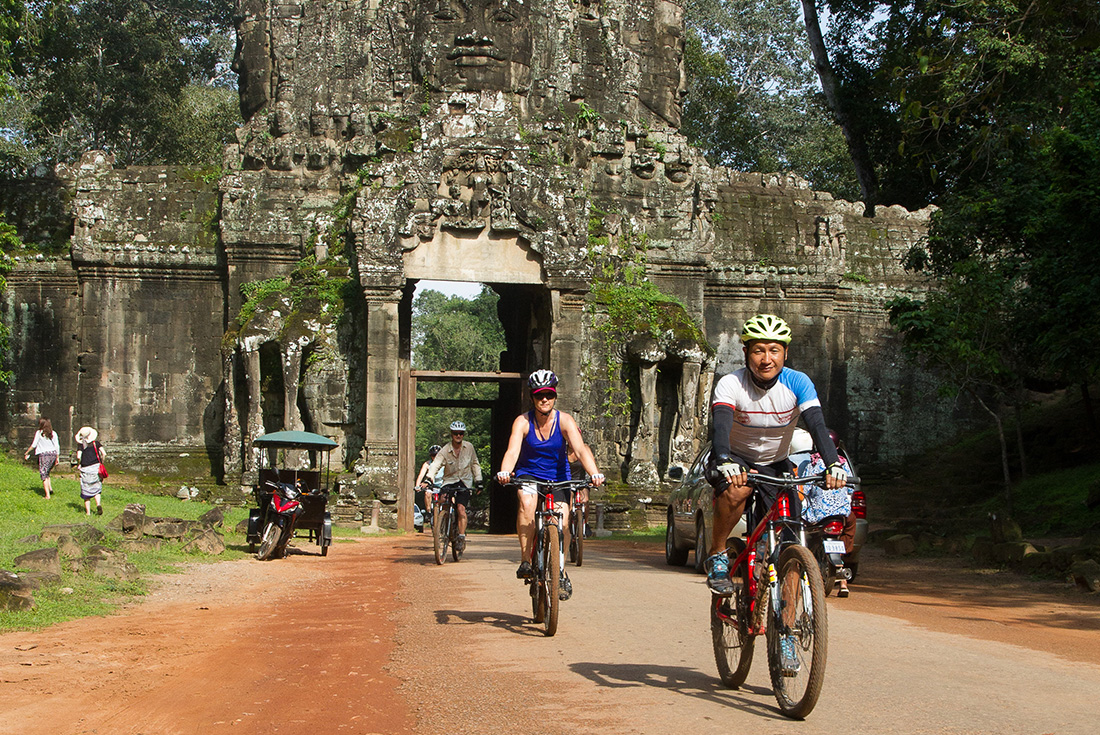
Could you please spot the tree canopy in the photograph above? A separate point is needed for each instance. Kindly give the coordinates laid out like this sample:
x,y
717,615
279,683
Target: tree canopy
x,y
752,101
146,81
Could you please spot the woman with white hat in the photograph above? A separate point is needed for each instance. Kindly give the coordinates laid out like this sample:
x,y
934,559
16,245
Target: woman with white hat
x,y
91,456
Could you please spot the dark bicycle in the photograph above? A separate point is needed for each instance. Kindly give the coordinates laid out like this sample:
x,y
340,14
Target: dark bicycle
x,y
445,526
549,556
779,593
578,522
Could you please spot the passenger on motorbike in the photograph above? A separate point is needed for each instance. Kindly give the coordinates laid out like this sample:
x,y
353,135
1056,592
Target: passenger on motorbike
x,y
820,503
461,471
538,449
754,415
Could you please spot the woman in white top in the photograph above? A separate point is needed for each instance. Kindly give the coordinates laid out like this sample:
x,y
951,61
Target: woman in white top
x,y
46,447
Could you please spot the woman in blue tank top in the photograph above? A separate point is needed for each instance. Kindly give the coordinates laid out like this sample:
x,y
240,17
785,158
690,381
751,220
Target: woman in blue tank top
x,y
543,458
538,449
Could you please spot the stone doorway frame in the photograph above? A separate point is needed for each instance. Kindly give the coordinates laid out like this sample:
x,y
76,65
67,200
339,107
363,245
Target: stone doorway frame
x,y
406,423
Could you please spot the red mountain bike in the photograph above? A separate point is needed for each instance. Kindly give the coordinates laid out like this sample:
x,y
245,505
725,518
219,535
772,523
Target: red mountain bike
x,y
778,593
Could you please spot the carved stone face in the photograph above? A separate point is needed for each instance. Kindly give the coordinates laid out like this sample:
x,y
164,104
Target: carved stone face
x,y
474,45
663,83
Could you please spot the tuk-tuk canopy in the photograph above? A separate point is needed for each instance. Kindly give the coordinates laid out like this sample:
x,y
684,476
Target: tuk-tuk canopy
x,y
295,440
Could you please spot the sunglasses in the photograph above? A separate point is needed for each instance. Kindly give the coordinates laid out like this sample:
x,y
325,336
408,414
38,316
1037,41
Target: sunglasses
x,y
544,396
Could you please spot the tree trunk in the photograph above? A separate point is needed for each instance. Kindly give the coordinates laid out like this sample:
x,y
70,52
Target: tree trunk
x,y
857,146
1020,439
1090,414
1004,452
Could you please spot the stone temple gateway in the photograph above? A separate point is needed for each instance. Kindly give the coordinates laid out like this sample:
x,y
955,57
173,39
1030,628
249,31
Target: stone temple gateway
x,y
532,145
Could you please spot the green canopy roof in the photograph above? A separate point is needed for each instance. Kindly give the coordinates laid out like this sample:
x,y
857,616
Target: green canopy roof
x,y
295,440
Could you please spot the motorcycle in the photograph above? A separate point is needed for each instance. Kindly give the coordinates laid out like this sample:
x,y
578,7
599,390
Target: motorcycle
x,y
285,507
825,514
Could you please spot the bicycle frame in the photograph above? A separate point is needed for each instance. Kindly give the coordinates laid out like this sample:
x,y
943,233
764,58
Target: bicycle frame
x,y
777,520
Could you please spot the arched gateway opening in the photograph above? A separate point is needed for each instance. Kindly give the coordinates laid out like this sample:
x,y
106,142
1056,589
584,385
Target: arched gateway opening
x,y
524,312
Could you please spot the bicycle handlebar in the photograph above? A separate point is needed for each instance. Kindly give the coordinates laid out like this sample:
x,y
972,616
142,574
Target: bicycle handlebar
x,y
758,479
545,486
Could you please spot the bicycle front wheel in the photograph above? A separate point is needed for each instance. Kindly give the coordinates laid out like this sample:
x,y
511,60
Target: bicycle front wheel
x,y
798,634
439,535
551,582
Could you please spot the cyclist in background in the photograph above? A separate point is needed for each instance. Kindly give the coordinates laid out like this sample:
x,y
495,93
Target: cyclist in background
x,y
461,472
754,415
538,449
432,481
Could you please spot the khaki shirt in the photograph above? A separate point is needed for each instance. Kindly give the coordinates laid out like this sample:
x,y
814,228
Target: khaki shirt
x,y
462,467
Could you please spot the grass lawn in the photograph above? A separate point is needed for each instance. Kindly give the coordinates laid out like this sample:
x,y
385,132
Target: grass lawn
x,y
24,510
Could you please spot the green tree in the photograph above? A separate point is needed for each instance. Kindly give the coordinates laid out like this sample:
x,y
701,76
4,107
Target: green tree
x,y
453,333
145,81
752,101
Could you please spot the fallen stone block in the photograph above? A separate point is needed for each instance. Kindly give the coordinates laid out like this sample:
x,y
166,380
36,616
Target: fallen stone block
x,y
1012,552
68,547
1086,574
82,533
15,594
213,518
1038,563
40,560
207,542
901,544
168,528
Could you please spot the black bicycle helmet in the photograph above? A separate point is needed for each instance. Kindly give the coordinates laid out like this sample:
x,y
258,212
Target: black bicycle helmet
x,y
434,450
542,380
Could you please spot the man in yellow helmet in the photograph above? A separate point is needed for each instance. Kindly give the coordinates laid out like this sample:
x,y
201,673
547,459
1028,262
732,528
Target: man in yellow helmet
x,y
754,414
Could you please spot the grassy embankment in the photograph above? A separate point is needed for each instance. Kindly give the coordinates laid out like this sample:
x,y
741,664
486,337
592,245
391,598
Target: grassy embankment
x,y
954,489
24,511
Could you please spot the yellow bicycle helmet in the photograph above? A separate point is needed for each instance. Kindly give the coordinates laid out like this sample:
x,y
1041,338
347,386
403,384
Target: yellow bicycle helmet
x,y
766,327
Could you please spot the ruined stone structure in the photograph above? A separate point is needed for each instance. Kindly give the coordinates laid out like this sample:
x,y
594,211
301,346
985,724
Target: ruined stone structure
x,y
528,144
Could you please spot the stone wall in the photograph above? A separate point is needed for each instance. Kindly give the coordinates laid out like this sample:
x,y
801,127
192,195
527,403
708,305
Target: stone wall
x,y
524,145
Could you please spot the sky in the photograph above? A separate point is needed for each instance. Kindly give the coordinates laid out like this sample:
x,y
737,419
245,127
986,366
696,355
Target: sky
x,y
451,288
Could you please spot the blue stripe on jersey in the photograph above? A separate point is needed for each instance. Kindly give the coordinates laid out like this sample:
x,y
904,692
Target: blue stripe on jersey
x,y
799,384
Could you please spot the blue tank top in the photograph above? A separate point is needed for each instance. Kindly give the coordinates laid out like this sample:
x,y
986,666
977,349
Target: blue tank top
x,y
544,460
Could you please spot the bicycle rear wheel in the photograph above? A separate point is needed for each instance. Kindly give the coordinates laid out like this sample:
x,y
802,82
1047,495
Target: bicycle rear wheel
x,y
552,566
800,619
729,628
455,553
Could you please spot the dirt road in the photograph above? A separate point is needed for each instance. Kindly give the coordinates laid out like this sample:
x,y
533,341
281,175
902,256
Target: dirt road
x,y
376,639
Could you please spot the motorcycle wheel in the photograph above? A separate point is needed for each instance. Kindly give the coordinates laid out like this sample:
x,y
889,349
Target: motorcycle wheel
x,y
268,540
828,571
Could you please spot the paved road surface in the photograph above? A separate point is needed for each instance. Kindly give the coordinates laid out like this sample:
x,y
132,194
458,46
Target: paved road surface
x,y
375,638
633,654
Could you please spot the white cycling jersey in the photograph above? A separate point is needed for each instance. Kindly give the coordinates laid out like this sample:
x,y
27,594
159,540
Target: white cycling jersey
x,y
764,420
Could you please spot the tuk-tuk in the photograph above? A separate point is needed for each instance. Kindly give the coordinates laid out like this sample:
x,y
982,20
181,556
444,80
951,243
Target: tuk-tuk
x,y
312,485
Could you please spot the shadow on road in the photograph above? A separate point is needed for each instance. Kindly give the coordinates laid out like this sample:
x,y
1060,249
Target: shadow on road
x,y
689,682
505,621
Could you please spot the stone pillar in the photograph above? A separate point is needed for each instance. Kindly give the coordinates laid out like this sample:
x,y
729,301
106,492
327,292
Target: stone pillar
x,y
684,441
255,411
566,313
642,470
382,375
231,450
